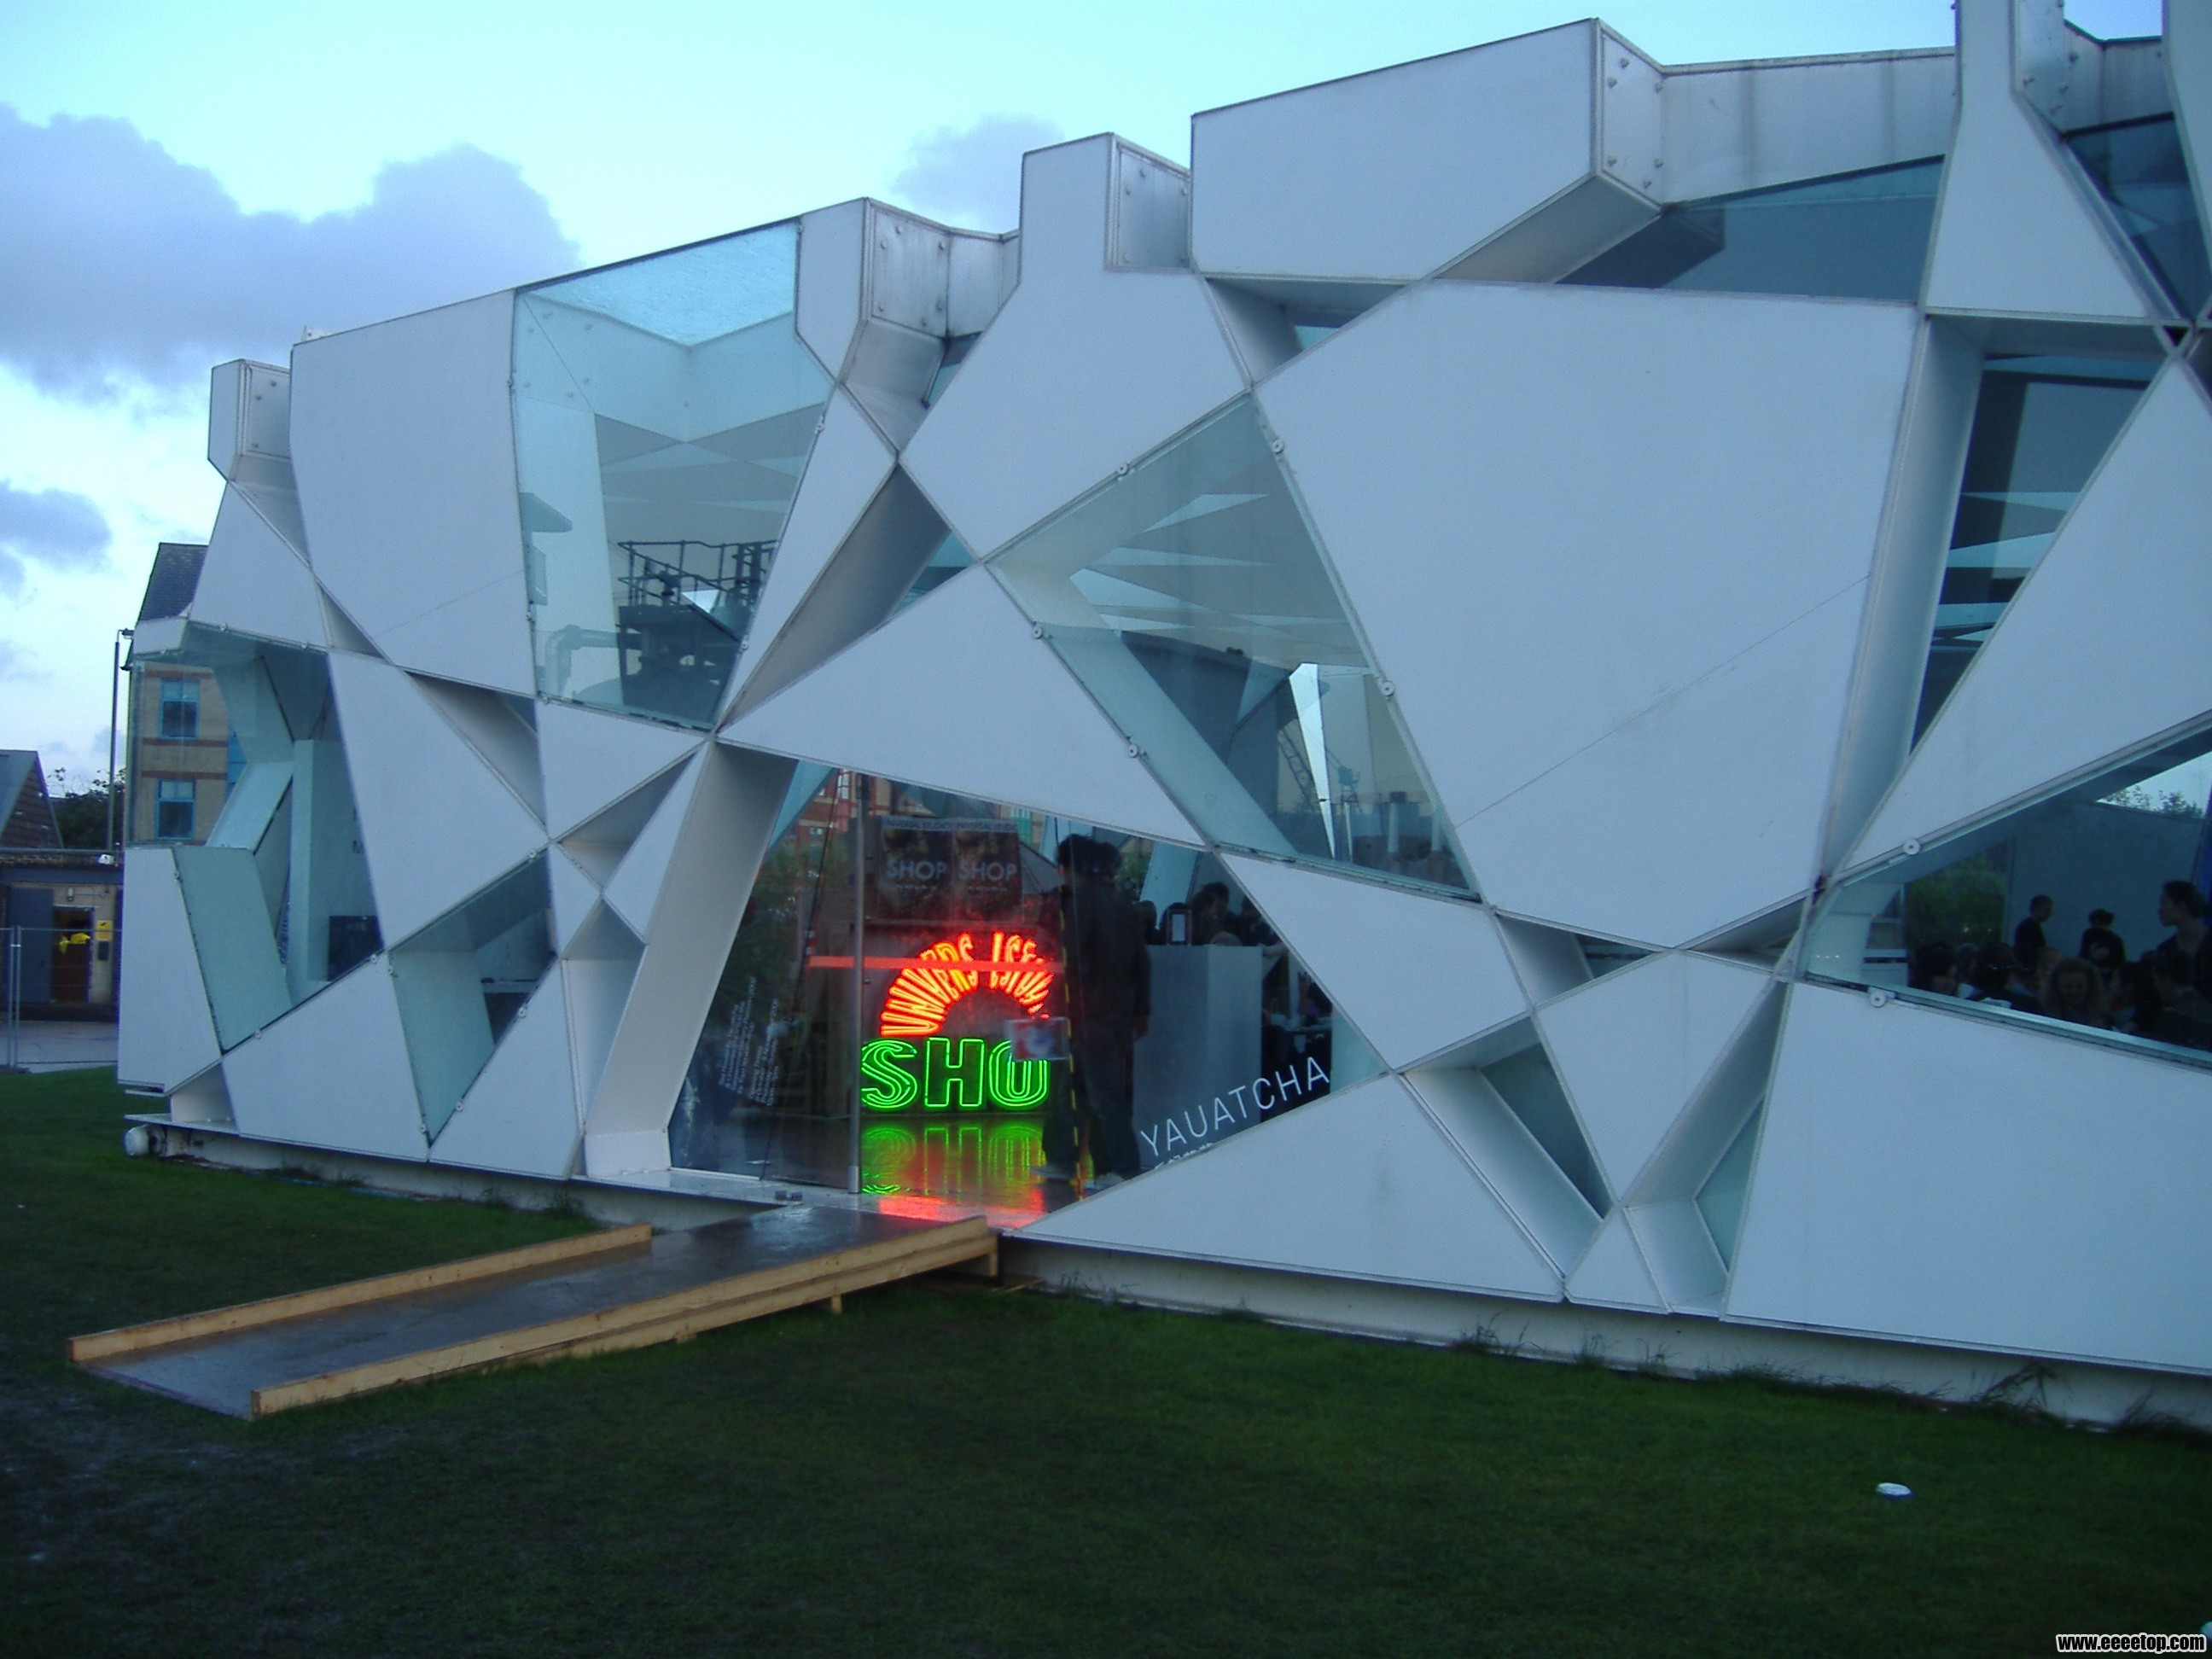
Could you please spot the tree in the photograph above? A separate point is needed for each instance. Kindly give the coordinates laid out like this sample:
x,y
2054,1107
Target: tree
x,y
81,811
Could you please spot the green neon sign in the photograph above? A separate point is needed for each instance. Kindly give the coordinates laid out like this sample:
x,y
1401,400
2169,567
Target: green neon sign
x,y
950,1073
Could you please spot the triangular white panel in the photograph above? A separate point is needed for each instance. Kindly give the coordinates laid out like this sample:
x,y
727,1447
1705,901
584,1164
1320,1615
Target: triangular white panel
x,y
1613,1273
252,582
2189,71
520,1112
2014,231
1475,535
573,896
436,823
343,635
600,842
2050,694
1693,815
402,444
832,255
1631,1049
164,1032
637,880
497,728
1359,938
1360,1185
1033,737
1049,403
593,760
333,1072
596,977
1497,1141
848,465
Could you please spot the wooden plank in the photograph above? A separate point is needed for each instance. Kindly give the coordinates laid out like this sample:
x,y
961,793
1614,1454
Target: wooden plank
x,y
301,1304
659,1319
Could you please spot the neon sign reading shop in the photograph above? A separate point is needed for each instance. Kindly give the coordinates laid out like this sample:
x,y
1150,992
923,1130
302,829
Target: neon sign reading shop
x,y
957,1073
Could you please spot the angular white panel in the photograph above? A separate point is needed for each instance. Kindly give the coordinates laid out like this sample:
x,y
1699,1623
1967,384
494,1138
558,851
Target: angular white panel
x,y
573,896
1047,405
520,1112
499,728
333,1072
596,976
1698,812
249,420
2015,229
1511,554
1613,1274
1631,1049
599,844
846,468
435,822
403,443
165,1033
1964,1180
1258,327
253,582
593,760
636,887
1034,737
1359,1185
1391,176
1550,961
1362,939
1492,1137
832,245
734,802
2051,694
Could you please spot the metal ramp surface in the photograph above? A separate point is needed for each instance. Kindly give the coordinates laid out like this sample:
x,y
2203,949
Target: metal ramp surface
x,y
593,1294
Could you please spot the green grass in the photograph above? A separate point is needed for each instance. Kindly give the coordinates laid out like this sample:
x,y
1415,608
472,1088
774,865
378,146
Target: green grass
x,y
985,1474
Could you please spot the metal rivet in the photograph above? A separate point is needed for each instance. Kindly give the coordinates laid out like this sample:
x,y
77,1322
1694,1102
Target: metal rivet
x,y
1385,687
1276,445
1878,999
1122,471
1912,849
1612,80
1135,753
1037,630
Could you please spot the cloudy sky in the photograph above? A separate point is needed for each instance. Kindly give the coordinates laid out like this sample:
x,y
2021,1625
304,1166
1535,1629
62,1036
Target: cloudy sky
x,y
185,183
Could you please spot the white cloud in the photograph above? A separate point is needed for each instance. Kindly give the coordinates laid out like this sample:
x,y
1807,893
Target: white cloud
x,y
126,266
972,175
57,528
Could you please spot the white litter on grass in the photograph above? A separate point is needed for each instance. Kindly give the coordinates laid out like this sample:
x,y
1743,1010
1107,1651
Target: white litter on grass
x,y
1891,1489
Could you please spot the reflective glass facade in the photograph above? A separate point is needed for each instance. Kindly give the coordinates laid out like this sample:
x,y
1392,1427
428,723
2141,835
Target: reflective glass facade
x,y
1188,595
664,411
2086,911
1033,997
2139,167
2041,424
1858,235
277,896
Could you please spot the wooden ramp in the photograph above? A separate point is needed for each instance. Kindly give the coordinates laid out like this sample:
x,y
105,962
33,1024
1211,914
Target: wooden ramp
x,y
593,1294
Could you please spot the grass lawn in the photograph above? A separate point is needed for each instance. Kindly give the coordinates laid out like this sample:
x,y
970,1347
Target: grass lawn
x,y
984,1474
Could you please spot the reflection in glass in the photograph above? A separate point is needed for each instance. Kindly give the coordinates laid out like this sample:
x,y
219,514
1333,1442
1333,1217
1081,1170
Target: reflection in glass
x,y
461,980
663,412
1856,235
2139,167
278,895
1035,998
1189,596
2085,911
2041,424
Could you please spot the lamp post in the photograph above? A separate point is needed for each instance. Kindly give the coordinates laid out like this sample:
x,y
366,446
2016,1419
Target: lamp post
x,y
114,678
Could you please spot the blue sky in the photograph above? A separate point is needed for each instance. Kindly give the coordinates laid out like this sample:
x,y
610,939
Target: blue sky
x,y
184,183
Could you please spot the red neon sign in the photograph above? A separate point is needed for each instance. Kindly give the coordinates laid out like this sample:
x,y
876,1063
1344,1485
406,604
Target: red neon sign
x,y
922,997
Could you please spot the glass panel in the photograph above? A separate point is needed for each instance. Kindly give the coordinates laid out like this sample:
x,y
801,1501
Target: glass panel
x,y
1857,235
1720,1201
1189,597
664,411
2036,914
1036,998
461,980
951,558
2139,167
2041,424
278,896
1526,1083
174,581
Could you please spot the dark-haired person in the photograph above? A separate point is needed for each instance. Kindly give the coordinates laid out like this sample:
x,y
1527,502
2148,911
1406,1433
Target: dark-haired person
x,y
2074,992
2186,1016
2181,906
2028,943
2101,948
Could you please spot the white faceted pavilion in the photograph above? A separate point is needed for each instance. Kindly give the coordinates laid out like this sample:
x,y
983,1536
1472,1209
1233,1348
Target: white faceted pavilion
x,y
1632,578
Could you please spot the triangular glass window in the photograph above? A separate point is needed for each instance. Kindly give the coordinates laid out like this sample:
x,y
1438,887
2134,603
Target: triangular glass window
x,y
2084,912
2139,168
1856,235
1189,597
2041,424
1721,1200
664,411
950,558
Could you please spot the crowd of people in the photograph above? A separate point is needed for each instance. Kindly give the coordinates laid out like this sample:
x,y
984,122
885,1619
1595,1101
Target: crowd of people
x,y
2165,994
